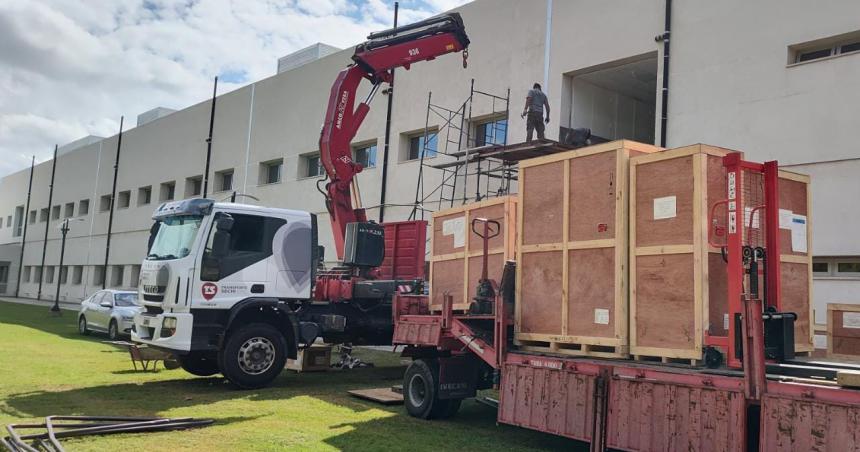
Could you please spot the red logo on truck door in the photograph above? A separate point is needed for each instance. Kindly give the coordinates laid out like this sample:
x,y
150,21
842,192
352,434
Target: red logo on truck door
x,y
209,290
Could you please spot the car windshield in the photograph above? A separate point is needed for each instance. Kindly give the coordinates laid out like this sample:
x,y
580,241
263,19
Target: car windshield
x,y
175,237
125,299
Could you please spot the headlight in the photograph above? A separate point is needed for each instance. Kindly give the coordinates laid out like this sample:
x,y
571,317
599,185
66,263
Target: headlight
x,y
168,327
127,318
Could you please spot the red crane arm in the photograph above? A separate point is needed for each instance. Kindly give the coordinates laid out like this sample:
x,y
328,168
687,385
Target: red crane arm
x,y
373,60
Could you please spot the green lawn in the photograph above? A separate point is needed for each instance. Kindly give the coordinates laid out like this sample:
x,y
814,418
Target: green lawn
x,y
46,368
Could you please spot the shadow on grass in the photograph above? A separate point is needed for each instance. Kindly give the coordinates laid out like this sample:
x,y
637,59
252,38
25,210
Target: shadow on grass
x,y
42,319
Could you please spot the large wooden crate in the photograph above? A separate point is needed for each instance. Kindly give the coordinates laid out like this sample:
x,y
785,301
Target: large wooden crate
x,y
456,251
843,331
572,292
795,255
674,298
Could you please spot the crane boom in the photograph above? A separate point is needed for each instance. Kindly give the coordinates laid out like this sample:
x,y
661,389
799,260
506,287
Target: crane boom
x,y
374,61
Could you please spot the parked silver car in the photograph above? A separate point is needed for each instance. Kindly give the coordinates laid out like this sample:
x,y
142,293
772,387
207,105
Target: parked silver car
x,y
111,311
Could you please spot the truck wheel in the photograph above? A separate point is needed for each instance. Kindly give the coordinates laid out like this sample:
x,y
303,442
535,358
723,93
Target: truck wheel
x,y
199,364
253,355
421,392
82,326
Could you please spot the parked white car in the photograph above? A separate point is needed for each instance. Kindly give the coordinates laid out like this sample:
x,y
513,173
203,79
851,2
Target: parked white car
x,y
110,311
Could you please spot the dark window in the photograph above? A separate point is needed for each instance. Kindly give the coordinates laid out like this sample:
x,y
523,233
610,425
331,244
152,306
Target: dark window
x,y
77,274
104,203
32,216
124,199
43,214
418,146
493,132
144,195
848,267
820,267
313,166
193,186
250,242
84,207
852,47
64,274
167,191
55,213
270,172
225,180
366,156
813,55
69,210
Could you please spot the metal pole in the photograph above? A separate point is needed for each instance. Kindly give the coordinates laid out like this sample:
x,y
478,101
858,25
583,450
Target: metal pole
x,y
664,115
24,220
47,222
64,229
387,133
209,139
112,203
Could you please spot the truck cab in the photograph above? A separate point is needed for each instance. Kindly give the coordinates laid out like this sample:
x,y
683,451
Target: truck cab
x,y
220,285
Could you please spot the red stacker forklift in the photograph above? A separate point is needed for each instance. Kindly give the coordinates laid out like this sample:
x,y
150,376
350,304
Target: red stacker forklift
x,y
752,395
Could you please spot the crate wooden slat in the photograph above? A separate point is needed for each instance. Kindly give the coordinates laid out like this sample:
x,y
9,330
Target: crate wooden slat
x,y
455,262
796,266
674,299
571,286
843,331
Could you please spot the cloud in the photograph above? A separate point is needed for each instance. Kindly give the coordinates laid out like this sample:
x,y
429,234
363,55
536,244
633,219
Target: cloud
x,y
70,68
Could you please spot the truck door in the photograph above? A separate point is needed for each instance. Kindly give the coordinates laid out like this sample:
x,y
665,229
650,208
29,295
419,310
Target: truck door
x,y
238,268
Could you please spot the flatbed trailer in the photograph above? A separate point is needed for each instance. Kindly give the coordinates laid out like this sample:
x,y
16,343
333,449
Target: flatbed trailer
x,y
758,398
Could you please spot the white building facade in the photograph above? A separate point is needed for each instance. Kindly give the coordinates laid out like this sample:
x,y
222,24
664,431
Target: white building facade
x,y
775,79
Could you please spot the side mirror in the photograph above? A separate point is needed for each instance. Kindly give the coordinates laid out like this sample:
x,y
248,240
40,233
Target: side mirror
x,y
224,223
106,304
153,231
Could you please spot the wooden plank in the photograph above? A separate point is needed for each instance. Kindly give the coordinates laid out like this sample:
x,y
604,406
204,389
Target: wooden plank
x,y
385,396
663,249
565,269
848,378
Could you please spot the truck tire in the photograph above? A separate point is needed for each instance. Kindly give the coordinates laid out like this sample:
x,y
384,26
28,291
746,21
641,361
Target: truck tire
x,y
253,355
421,392
199,364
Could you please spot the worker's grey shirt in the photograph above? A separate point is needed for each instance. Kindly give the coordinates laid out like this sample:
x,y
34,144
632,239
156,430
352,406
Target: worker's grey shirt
x,y
538,98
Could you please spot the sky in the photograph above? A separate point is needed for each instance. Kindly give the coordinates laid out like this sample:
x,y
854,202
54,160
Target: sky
x,y
71,68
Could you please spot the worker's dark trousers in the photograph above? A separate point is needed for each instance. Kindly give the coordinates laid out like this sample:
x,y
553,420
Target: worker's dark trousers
x,y
534,121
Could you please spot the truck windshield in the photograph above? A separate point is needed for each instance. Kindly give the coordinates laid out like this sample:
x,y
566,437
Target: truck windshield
x,y
175,237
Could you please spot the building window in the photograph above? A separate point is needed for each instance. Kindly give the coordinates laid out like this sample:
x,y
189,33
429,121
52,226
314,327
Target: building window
x,y
310,166
124,199
19,221
418,146
98,275
116,275
69,210
823,48
37,274
491,132
365,155
224,179
84,207
77,274
134,277
64,274
55,213
836,267
49,274
43,215
167,191
32,216
27,271
270,172
104,203
193,186
144,195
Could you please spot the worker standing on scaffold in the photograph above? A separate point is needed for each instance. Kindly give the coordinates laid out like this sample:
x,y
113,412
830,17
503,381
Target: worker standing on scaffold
x,y
535,102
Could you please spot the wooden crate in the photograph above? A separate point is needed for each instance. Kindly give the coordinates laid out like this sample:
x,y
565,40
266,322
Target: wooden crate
x,y
843,331
456,251
796,258
316,358
572,291
674,299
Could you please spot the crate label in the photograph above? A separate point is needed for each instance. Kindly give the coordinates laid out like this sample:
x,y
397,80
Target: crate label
x,y
733,227
732,185
851,320
725,321
457,228
665,207
601,316
785,217
798,233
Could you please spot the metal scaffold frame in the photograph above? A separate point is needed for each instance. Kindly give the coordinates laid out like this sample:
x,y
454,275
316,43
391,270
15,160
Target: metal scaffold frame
x,y
462,147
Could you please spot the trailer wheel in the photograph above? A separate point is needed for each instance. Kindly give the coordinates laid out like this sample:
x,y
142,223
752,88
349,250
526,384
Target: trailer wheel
x,y
421,392
199,364
253,355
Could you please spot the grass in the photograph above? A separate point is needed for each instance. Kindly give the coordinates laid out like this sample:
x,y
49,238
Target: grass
x,y
46,368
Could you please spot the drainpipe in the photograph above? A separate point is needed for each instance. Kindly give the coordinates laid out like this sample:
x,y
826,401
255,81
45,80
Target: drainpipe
x,y
24,220
386,146
664,38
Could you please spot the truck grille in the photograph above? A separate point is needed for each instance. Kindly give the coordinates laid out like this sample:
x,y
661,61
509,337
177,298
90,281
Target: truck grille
x,y
148,297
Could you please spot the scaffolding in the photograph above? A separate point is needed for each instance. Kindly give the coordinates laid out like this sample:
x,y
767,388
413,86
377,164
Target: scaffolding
x,y
463,138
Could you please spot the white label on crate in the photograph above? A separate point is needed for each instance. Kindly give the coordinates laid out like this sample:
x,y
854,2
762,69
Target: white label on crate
x,y
457,228
665,207
601,316
851,320
733,227
785,217
725,321
755,214
798,233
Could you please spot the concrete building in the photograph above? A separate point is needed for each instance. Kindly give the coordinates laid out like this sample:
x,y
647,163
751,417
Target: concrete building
x,y
776,79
